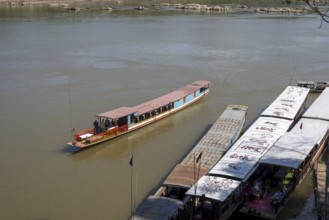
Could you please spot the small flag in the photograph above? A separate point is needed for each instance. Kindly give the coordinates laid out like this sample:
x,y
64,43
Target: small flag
x,y
131,160
199,157
301,125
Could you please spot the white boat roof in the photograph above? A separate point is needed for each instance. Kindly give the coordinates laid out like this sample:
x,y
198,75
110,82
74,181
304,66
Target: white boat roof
x,y
290,150
320,108
288,103
243,156
312,128
212,187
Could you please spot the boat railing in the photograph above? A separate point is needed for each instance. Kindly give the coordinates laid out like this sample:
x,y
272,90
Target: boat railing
x,y
114,131
122,128
77,135
182,213
257,209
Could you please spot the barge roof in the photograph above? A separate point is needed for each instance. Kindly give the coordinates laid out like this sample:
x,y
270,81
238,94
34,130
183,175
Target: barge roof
x,y
320,108
155,103
215,188
312,128
290,150
243,156
288,103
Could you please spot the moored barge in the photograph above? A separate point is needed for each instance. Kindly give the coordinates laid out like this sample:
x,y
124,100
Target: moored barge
x,y
170,202
285,165
222,190
120,121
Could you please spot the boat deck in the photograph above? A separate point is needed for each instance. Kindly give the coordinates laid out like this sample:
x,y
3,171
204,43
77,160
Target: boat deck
x,y
266,199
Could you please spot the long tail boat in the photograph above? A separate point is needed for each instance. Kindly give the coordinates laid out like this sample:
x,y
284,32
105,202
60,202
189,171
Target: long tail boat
x,y
120,121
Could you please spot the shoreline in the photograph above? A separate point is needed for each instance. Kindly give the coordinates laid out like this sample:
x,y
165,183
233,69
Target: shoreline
x,y
282,8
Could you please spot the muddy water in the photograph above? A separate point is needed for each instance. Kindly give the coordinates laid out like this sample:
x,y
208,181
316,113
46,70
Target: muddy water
x,y
107,60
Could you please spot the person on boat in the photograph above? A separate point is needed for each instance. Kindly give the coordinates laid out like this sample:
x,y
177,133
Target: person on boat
x,y
283,189
107,123
96,125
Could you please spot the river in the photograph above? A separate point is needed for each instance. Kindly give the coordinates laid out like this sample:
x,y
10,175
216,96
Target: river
x,y
60,68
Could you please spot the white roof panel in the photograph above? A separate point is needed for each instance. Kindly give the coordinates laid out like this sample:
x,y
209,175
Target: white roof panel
x,y
320,107
246,152
289,151
216,188
288,104
314,128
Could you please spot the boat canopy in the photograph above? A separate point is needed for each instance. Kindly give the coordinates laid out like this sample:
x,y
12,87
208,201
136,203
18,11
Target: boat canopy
x,y
215,188
319,108
243,156
311,127
183,176
154,104
288,104
290,150
118,113
157,208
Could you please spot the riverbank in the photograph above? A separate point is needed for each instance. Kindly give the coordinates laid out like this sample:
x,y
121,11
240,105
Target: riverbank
x,y
260,6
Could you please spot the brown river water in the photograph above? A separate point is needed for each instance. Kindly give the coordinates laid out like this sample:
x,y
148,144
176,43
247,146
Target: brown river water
x,y
59,69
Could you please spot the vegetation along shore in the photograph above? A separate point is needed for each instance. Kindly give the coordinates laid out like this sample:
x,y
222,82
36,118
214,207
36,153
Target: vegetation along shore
x,y
256,6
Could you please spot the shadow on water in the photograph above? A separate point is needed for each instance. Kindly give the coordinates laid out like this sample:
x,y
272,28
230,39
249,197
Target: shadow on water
x,y
70,149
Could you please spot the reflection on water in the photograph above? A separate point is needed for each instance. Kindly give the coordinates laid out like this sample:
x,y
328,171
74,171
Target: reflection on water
x,y
123,59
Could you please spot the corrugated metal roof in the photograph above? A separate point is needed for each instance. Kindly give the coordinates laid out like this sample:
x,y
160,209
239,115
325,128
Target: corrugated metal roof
x,y
155,103
218,138
320,107
288,104
216,188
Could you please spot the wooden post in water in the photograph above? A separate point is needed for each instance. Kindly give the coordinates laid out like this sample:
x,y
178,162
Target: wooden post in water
x,y
326,192
131,186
